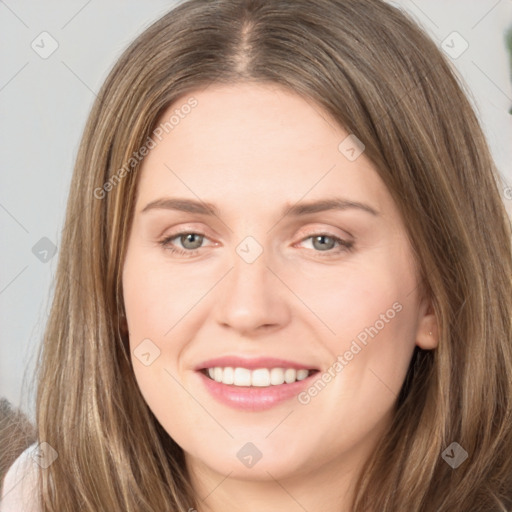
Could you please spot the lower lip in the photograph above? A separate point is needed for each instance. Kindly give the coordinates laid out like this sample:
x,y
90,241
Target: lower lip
x,y
254,398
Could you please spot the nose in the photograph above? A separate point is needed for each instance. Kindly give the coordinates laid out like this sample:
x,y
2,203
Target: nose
x,y
253,298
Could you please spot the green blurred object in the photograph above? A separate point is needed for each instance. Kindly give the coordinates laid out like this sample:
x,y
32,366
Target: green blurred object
x,y
508,42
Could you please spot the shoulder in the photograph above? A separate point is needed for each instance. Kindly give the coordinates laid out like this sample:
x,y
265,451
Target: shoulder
x,y
19,490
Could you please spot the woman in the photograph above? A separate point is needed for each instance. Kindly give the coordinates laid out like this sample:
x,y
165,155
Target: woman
x,y
260,368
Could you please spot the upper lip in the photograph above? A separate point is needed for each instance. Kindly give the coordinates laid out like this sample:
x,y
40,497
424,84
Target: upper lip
x,y
252,363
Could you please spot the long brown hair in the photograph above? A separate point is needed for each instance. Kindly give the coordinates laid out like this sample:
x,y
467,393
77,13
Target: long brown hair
x,y
380,77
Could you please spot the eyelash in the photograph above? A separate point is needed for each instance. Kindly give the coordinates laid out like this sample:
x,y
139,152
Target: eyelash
x,y
165,243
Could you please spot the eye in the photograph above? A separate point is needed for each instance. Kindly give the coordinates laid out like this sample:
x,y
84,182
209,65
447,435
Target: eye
x,y
191,241
325,242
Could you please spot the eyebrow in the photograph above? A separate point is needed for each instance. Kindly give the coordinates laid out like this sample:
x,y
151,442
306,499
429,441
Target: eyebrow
x,y
296,210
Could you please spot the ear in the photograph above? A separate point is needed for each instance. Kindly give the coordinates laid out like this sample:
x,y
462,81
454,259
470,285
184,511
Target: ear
x,y
427,335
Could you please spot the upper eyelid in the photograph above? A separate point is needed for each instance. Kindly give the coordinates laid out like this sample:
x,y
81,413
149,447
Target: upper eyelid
x,y
308,232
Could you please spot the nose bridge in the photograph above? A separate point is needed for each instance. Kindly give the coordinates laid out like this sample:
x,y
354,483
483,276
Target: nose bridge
x,y
251,295
250,267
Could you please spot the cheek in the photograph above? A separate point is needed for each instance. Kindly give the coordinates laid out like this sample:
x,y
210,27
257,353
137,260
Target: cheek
x,y
156,296
371,311
155,301
151,303
362,299
159,301
373,314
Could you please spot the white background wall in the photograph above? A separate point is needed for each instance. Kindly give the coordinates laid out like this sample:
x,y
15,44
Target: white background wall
x,y
44,103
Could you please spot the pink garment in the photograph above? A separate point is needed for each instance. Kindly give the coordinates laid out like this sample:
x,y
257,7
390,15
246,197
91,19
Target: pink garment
x,y
19,490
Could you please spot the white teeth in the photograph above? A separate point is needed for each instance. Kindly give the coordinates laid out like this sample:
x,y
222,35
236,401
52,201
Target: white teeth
x,y
276,376
290,375
228,376
261,377
242,377
302,374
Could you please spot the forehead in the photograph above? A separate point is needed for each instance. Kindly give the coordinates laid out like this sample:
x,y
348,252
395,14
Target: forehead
x,y
251,142
255,117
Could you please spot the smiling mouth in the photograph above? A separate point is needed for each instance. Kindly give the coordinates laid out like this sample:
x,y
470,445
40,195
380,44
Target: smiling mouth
x,y
260,377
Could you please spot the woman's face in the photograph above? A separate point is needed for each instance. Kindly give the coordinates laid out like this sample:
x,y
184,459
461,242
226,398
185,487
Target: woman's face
x,y
274,286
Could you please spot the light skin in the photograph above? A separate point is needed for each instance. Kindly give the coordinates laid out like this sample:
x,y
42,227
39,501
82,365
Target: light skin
x,y
253,151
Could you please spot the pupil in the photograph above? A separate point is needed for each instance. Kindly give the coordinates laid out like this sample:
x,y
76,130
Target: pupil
x,y
322,238
190,238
